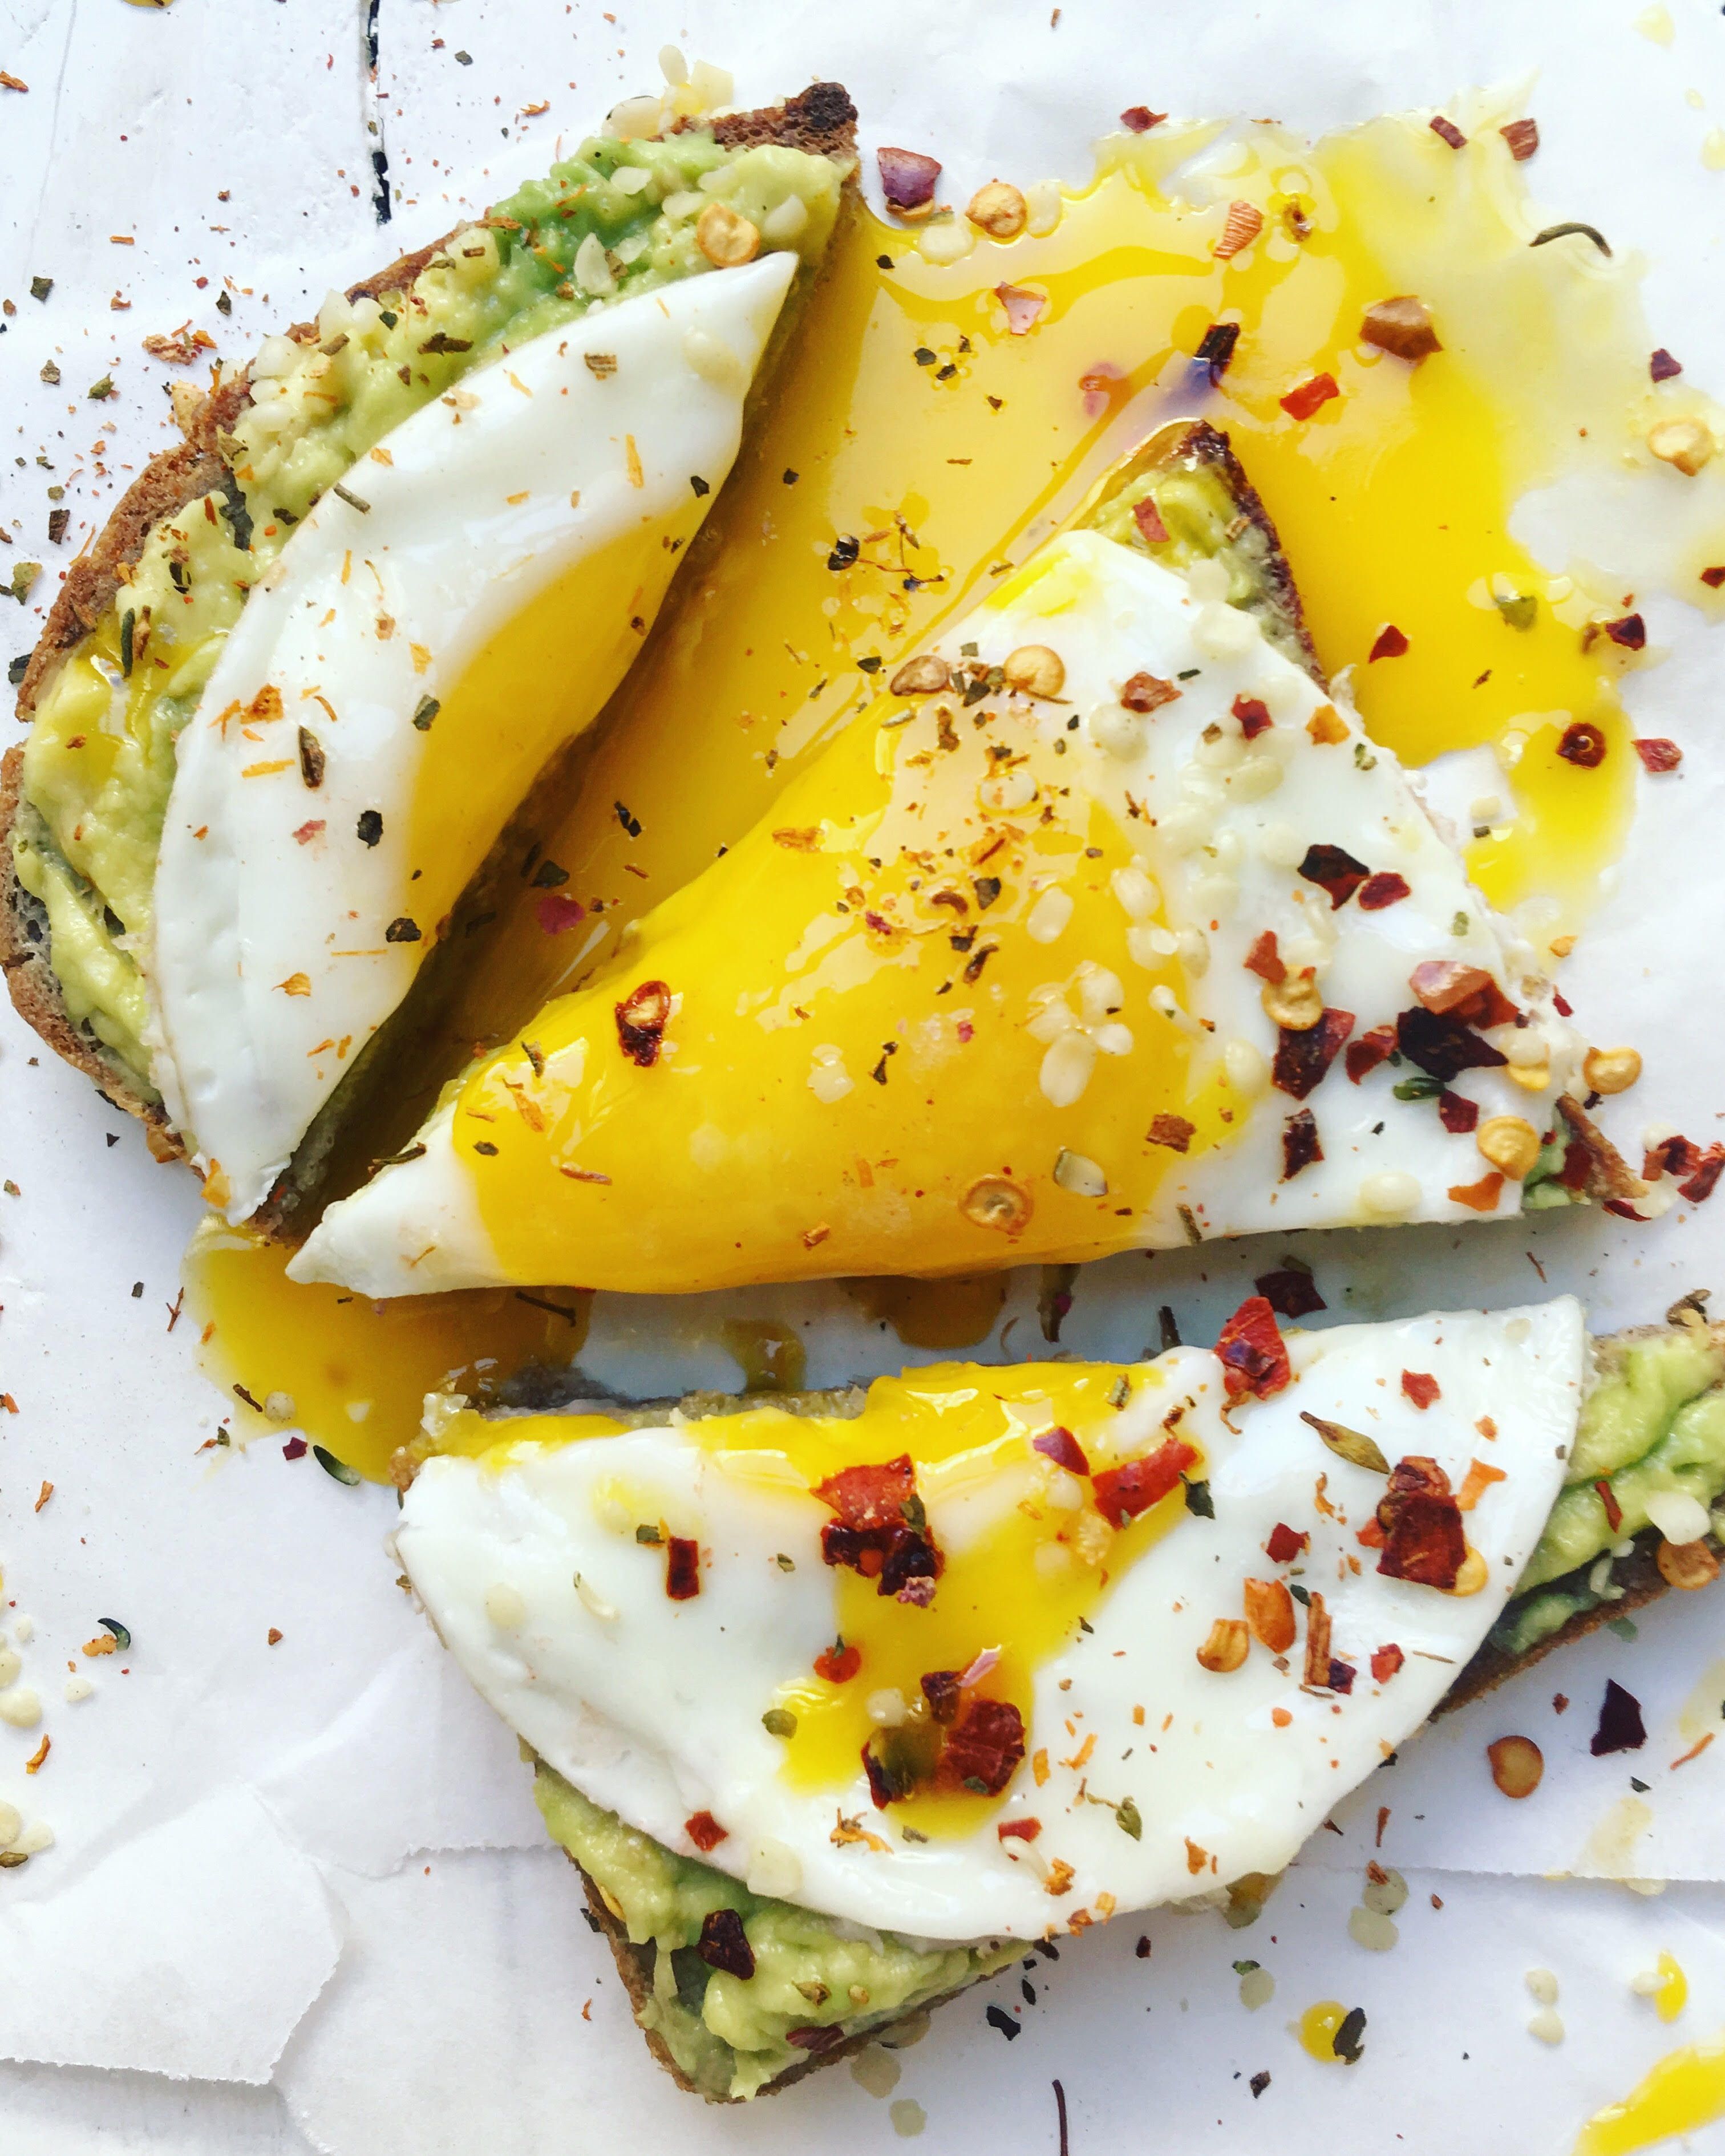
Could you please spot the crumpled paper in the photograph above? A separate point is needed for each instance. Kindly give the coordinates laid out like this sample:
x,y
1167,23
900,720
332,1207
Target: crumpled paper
x,y
327,1845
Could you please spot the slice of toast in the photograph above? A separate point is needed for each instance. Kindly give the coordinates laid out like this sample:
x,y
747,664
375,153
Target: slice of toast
x,y
820,121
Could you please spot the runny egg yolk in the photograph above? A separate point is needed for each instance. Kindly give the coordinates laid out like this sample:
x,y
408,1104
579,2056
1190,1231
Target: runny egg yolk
x,y
1682,2092
912,419
1028,1555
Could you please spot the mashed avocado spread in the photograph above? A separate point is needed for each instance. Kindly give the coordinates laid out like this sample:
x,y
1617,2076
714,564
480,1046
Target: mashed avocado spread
x,y
727,2033
1654,1424
616,219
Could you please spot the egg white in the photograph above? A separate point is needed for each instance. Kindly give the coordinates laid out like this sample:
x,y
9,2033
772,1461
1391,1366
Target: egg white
x,y
527,1565
536,464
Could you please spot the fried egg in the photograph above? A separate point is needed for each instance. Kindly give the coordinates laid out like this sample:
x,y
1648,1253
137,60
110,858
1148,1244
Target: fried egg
x,y
1199,1671
436,629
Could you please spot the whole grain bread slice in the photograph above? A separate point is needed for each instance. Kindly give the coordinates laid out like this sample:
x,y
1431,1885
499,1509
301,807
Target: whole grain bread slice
x,y
820,121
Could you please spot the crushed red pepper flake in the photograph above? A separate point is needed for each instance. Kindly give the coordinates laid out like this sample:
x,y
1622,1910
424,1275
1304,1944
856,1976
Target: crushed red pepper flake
x,y
1662,366
1386,888
1714,576
641,1020
1457,1113
1290,1292
1423,1538
1480,1197
1151,528
1301,1147
1441,1045
1254,716
682,1567
1446,131
1285,1543
1629,631
880,1532
1335,871
1310,396
1390,644
1139,118
1317,1642
1018,1829
46,1492
38,1758
1123,1492
1303,1059
1583,744
1059,1446
1657,753
1173,1132
1252,1352
907,177
1364,1055
838,1663
1385,1662
1148,692
1421,1386
1522,136
704,1830
1453,989
1265,960
1621,1728
724,1944
1608,1498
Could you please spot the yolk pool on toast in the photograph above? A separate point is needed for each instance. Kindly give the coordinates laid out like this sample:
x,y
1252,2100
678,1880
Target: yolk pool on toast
x,y
919,426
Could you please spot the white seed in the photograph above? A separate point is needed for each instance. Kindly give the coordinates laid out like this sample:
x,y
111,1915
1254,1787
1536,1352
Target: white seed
x,y
1047,919
20,1708
1008,790
1051,1017
1207,580
1390,1195
1043,205
886,1707
829,1080
12,1824
35,1838
712,359
1257,777
713,86
1066,1068
1248,1071
1151,946
506,1606
876,2071
1372,1929
1220,752
25,1627
594,1603
631,180
950,240
1687,443
1678,1516
1386,1894
1485,809
1139,896
1214,897
1182,829
775,1870
1099,991
1648,1984
673,66
1524,1048
1547,2025
1195,952
634,119
592,272
1061,1492
1113,1038
787,222
908,2117
1221,631
1082,1176
11,1665
1281,846
77,1689
279,1406
1116,732
1257,1988
1052,1559
1167,1005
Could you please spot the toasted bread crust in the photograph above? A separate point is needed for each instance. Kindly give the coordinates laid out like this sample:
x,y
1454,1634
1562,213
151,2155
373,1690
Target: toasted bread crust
x,y
821,120
1211,447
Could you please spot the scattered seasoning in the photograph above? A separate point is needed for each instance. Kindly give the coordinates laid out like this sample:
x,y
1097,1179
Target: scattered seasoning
x,y
1244,223
295,1448
1391,644
1583,744
1421,1522
273,1637
1351,1446
1148,519
1300,1145
1662,366
1025,308
641,1020
1630,631
1420,1386
997,2018
1123,1492
424,712
1252,1352
630,822
1259,2082
38,1758
312,761
1400,326
1139,118
1291,1291
1386,888
403,929
704,1830
1608,1498
723,1944
908,178
1522,136
1303,1057
1621,1728
1215,348
1285,1543
838,1663
1334,871
1386,1660
352,500
1457,1113
1173,1132
1349,2044
682,1569
1563,231
1147,692
1657,753
45,1493
1518,1765
370,826
99,391
1310,396
1713,577
1059,1446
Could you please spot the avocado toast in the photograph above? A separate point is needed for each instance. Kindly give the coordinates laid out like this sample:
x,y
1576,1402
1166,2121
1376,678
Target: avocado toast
x,y
144,618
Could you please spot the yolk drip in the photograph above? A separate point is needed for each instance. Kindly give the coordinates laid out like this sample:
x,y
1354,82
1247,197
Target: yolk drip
x,y
354,1373
910,419
1318,2025
1685,2091
1028,1555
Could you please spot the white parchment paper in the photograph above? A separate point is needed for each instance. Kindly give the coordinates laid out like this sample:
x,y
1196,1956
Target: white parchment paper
x,y
314,1865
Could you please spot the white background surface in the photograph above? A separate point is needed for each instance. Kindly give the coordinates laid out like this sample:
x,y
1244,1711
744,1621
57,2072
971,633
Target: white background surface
x,y
299,1899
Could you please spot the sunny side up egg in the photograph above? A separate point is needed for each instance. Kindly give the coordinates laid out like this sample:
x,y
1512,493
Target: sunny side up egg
x,y
1154,1650
431,635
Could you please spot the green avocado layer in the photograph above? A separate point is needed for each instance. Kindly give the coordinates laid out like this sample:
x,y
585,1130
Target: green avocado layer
x,y
727,2033
616,219
1653,1425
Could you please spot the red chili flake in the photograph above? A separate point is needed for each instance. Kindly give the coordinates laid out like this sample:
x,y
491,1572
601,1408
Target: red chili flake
x,y
1457,1113
838,1663
1386,888
1285,1543
1303,1060
1062,1447
555,912
1364,1055
1699,1186
1385,1662
1265,960
1522,136
1342,1676
641,1022
880,1532
1121,1493
1024,309
1421,1386
294,1449
1151,528
1290,1292
1173,1132
1561,1004
983,1750
907,177
1148,692
1657,753
1104,385
1629,631
1252,1351
942,1691
1608,1498
682,1569
1334,871
1468,992
704,1830
1390,644
1254,716
815,2039
1215,348
1446,131
1018,1829
1310,396
1713,577
1621,1728
307,832
724,1944
1441,1046
1583,744
1662,366
1140,119
1300,1145
1424,1540
1371,1535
